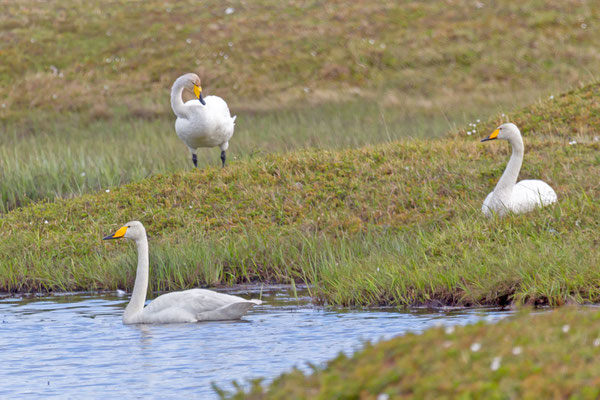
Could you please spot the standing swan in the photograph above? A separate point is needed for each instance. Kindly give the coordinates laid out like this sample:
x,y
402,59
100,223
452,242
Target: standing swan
x,y
203,123
508,195
187,306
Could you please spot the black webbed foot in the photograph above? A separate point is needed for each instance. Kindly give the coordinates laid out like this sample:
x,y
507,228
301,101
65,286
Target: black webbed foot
x,y
223,157
195,160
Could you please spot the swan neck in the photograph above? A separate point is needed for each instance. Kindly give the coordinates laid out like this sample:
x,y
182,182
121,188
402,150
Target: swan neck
x,y
511,173
138,297
177,100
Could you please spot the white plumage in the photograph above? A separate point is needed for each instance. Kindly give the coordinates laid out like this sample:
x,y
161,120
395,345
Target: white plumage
x,y
508,195
192,305
205,122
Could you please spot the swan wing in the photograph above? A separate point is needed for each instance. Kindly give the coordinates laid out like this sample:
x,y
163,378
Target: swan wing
x,y
198,304
207,125
530,194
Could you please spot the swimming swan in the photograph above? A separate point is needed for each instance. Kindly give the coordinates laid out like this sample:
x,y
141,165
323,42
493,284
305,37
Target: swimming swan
x,y
187,306
203,123
508,195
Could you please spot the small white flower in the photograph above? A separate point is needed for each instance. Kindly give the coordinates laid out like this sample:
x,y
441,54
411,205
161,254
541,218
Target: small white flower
x,y
230,44
107,60
168,10
54,96
188,41
371,41
572,142
469,133
190,206
313,53
83,174
478,121
596,342
382,45
566,328
107,190
577,223
551,97
475,347
377,269
474,130
229,10
517,350
449,330
45,221
3,105
32,40
583,26
61,75
383,396
225,57
106,87
306,90
495,363
504,115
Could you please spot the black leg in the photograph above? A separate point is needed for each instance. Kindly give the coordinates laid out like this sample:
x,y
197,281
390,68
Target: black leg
x,y
223,157
195,160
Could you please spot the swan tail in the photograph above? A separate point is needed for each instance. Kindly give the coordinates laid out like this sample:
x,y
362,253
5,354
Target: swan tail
x,y
233,119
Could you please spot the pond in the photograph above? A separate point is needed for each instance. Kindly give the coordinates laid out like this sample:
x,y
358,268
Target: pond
x,y
76,346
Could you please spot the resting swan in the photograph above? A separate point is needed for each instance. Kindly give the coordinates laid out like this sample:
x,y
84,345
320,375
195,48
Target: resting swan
x,y
508,195
187,306
203,123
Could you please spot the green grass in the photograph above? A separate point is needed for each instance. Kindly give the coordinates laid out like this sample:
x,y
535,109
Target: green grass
x,y
85,87
531,356
396,223
37,164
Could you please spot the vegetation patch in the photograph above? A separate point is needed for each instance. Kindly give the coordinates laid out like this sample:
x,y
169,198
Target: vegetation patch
x,y
547,355
396,223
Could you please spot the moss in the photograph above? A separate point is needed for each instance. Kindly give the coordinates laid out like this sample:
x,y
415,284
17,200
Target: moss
x,y
545,355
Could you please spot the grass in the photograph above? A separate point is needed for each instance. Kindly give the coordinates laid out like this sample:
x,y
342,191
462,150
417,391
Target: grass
x,y
84,87
36,165
396,223
549,355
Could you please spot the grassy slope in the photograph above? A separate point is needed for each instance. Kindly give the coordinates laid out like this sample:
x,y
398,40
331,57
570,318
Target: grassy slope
x,y
98,76
136,50
397,223
550,355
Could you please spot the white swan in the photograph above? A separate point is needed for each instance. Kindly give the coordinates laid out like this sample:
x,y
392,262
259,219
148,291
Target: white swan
x,y
203,122
508,195
187,306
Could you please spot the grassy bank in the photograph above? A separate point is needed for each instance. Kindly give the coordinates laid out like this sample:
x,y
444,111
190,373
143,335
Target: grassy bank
x,y
84,87
36,163
549,355
396,223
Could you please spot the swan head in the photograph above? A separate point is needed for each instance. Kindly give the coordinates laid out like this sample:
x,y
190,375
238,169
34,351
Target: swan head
x,y
132,230
193,83
506,131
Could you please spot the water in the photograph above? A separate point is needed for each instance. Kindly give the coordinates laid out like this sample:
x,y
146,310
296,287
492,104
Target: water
x,y
75,346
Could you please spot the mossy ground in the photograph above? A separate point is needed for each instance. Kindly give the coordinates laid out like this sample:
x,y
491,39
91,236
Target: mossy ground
x,y
551,355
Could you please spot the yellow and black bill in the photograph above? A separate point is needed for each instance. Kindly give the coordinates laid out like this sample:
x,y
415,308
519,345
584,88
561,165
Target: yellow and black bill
x,y
493,135
198,93
117,235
